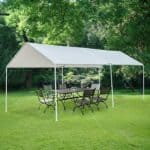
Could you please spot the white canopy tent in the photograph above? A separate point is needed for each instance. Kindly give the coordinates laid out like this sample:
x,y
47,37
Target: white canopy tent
x,y
33,55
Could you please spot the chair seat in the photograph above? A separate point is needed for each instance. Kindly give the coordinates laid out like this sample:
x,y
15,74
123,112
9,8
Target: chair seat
x,y
83,102
45,100
95,99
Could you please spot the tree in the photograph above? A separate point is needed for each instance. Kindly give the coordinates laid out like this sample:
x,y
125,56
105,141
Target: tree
x,y
46,21
102,24
8,47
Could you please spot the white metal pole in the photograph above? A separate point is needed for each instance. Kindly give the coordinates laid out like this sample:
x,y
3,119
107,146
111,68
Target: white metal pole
x,y
112,90
143,83
62,75
99,79
56,115
6,92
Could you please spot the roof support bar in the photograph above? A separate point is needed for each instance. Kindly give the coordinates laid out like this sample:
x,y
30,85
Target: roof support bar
x,y
112,90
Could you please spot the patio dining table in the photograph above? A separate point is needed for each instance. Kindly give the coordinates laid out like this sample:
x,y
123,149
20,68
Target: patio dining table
x,y
69,94
70,90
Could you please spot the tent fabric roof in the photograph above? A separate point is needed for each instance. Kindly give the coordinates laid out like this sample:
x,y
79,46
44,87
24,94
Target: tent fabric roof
x,y
33,55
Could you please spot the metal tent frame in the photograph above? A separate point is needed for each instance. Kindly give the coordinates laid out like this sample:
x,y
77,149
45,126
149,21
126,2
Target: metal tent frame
x,y
50,56
55,83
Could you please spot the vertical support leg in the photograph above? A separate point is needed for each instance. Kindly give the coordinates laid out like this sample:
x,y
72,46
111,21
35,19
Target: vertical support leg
x,y
143,83
99,78
6,92
112,90
56,113
62,75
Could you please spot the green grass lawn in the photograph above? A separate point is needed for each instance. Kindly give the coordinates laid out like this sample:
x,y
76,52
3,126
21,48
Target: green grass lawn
x,y
24,127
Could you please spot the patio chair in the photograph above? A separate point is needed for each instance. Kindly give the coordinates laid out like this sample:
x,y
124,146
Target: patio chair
x,y
85,100
48,101
63,96
101,97
62,86
67,94
77,92
85,85
95,86
48,88
48,91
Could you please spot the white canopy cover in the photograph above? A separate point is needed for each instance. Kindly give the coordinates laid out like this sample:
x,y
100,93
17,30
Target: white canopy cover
x,y
33,55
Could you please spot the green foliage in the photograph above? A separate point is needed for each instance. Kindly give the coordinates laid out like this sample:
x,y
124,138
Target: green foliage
x,y
8,47
102,24
47,21
130,32
86,77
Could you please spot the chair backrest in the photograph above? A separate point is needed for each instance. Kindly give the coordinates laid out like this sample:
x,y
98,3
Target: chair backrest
x,y
44,96
48,90
47,87
95,86
105,92
88,93
40,94
62,86
84,85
